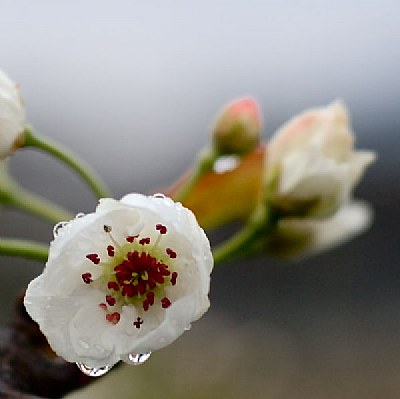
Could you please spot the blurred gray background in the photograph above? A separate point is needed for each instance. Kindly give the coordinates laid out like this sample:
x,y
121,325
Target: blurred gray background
x,y
132,86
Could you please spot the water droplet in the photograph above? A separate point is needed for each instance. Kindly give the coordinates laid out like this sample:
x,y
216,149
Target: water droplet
x,y
58,227
93,371
138,359
79,215
159,195
226,163
188,327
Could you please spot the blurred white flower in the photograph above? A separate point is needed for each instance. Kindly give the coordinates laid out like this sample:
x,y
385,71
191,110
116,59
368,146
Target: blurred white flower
x,y
12,116
311,166
129,278
307,236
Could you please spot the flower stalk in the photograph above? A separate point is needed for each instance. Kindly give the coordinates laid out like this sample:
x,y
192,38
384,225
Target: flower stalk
x,y
24,248
73,161
250,239
203,165
12,194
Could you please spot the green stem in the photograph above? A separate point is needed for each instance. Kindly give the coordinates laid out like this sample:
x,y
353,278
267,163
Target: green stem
x,y
12,194
18,197
204,165
247,241
72,160
23,248
234,247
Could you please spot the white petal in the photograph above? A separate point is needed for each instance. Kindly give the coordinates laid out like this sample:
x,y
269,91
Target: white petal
x,y
12,115
67,307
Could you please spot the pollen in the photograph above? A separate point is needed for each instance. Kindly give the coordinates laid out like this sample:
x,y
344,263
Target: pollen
x,y
140,278
113,317
138,322
87,278
93,258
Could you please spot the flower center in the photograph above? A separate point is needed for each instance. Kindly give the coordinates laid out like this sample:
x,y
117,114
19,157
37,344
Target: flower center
x,y
135,273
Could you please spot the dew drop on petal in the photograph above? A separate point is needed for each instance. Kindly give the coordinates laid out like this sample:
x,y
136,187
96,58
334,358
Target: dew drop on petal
x,y
79,215
93,371
159,195
58,227
138,359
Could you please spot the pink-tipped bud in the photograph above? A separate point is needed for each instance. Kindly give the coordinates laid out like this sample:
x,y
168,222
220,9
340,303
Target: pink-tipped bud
x,y
237,127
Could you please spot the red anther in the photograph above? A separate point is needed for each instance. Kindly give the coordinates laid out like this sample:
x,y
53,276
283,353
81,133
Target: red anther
x,y
113,317
145,240
110,300
141,287
171,253
94,258
138,322
174,277
112,285
165,303
161,228
87,278
128,290
103,306
139,274
131,238
150,297
110,250
146,305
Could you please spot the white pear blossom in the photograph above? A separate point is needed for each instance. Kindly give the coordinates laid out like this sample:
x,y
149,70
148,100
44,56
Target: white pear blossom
x,y
311,166
127,279
12,116
300,237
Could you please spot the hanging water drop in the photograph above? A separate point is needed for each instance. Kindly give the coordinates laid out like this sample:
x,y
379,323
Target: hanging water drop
x,y
159,195
58,227
138,359
79,215
93,371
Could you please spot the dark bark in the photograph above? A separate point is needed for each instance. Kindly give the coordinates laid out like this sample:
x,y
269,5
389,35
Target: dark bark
x,y
28,367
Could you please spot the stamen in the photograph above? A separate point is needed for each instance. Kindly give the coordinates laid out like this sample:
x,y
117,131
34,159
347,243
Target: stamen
x,y
165,303
146,305
112,285
131,238
110,300
161,228
138,322
171,253
174,276
113,317
103,306
87,278
145,240
93,258
150,296
107,228
110,250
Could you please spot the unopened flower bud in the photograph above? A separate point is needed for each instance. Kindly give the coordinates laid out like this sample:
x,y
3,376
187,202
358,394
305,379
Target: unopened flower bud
x,y
311,164
12,116
237,127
